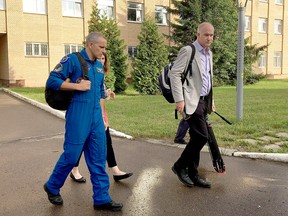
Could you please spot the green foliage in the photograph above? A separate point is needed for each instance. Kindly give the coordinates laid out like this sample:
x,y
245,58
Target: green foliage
x,y
110,80
264,113
257,119
252,54
184,31
223,15
150,59
115,46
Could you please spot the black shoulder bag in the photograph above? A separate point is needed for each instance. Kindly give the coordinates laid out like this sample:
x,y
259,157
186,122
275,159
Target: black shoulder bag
x,y
60,99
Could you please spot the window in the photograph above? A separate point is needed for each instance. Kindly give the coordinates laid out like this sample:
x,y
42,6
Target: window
x,y
277,26
132,51
277,59
36,49
72,8
44,49
247,23
262,25
262,60
34,6
106,8
280,2
2,4
161,15
69,48
135,12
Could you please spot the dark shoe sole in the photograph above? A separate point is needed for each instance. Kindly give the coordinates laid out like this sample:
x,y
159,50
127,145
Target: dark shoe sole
x,y
58,203
183,142
120,177
200,183
81,180
185,183
108,207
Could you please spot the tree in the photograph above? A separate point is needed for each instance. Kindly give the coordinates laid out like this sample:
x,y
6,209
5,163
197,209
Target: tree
x,y
115,47
150,59
184,30
223,15
252,54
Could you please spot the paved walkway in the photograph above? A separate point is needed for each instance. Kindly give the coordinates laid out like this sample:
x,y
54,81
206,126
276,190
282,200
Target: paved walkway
x,y
31,141
280,157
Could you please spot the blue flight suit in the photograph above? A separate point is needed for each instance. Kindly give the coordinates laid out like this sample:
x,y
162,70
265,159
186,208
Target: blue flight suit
x,y
84,127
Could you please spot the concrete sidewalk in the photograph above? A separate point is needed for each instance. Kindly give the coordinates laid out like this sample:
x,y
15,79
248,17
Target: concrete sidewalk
x,y
279,157
31,142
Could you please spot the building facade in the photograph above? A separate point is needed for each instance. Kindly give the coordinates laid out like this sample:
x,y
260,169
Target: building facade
x,y
266,23
36,34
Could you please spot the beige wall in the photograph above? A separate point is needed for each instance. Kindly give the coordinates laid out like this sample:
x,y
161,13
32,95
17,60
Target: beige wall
x,y
2,21
51,28
56,30
130,30
3,47
271,11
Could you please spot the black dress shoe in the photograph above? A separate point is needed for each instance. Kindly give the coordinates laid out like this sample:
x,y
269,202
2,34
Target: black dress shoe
x,y
182,176
54,199
81,180
200,182
120,177
110,206
180,141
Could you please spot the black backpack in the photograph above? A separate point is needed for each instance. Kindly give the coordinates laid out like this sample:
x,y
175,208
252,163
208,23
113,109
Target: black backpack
x,y
164,79
61,100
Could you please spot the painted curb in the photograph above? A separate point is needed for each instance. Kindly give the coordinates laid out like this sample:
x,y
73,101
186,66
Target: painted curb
x,y
278,157
57,113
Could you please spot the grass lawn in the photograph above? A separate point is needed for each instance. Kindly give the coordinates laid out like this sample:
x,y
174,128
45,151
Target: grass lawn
x,y
144,116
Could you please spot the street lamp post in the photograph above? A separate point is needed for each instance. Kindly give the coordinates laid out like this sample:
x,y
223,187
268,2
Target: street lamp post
x,y
240,58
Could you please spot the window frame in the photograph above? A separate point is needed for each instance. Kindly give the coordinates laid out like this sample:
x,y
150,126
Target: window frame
x,y
133,52
35,7
106,9
163,14
277,59
278,26
247,23
78,48
264,25
279,3
141,10
76,9
262,61
2,5
36,49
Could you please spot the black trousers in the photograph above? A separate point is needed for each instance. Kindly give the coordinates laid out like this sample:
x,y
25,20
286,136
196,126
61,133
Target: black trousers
x,y
190,156
111,160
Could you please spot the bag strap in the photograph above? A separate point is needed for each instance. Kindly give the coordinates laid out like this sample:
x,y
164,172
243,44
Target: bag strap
x,y
189,68
83,64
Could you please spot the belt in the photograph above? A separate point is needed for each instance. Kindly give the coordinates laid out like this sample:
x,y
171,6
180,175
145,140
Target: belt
x,y
203,97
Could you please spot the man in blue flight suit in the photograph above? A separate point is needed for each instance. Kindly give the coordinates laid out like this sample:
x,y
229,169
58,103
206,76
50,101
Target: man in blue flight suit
x,y
84,123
